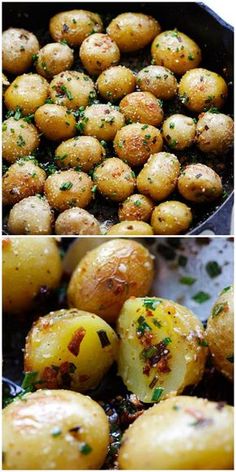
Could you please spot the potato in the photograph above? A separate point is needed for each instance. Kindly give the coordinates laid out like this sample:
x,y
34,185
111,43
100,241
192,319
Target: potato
x,y
161,348
101,121
32,215
27,92
77,249
82,152
201,89
129,228
110,274
63,425
179,131
19,139
18,46
74,26
158,80
98,52
76,221
159,176
55,122
136,207
220,332
116,82
142,107
183,433
72,89
5,82
200,184
114,179
215,133
171,218
53,59
133,31
176,51
67,189
31,267
21,180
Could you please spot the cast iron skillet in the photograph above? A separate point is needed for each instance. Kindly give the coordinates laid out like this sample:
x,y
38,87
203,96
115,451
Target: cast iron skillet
x,y
214,36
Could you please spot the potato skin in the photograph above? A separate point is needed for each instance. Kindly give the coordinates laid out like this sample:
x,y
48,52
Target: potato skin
x,y
32,215
160,347
53,59
200,184
159,176
18,46
176,51
171,217
76,221
179,131
72,89
102,121
136,207
74,26
22,179
220,332
29,265
136,142
114,179
158,80
142,107
98,52
54,419
27,92
5,82
116,82
83,152
133,31
129,228
156,445
19,139
108,275
55,122
215,133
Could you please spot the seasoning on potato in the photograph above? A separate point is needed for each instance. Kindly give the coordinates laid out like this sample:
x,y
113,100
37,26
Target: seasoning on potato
x,y
53,59
116,82
18,47
55,122
32,215
98,52
214,133
23,179
74,26
114,179
101,121
72,89
19,139
27,93
158,80
136,207
199,183
142,107
179,131
76,221
81,152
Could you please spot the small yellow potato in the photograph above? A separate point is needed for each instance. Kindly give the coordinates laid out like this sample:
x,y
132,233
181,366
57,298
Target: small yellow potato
x,y
101,121
72,89
158,178
162,348
68,188
22,179
27,92
74,26
201,89
114,179
220,332
176,51
53,59
130,228
32,215
77,249
136,207
19,139
133,31
116,82
54,430
5,82
98,52
215,133
179,131
142,107
136,142
77,221
55,122
171,217
31,267
18,47
200,184
158,80
82,152
108,275
182,433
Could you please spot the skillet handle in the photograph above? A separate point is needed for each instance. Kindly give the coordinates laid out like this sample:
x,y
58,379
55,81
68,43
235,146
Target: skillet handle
x,y
220,222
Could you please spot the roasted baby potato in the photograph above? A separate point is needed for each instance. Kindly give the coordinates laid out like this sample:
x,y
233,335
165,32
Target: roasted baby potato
x,y
55,122
72,89
32,215
98,52
158,80
22,179
53,59
142,107
114,179
101,121
171,217
116,82
179,131
77,250
27,92
74,26
200,184
136,207
82,152
215,133
18,47
19,139
130,228
77,221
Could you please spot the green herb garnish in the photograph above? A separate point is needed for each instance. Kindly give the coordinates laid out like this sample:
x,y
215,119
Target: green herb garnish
x,y
187,280
213,269
157,394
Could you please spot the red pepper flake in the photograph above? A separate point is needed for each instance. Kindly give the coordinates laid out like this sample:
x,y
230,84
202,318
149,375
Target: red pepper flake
x,y
162,365
146,369
76,340
6,243
49,376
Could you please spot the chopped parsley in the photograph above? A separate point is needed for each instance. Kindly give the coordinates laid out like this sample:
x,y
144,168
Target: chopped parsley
x,y
187,280
166,341
218,309
142,326
201,297
213,269
66,92
20,141
226,289
182,260
151,303
171,125
202,342
103,338
85,448
66,186
157,394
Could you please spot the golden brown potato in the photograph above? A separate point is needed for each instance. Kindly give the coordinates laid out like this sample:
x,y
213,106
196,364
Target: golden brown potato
x,y
74,26
133,31
18,47
19,139
158,178
131,228
98,52
55,122
158,80
179,131
171,218
136,207
72,89
68,188
215,133
63,425
201,89
142,107
176,51
22,179
101,121
116,82
114,179
32,215
53,59
200,184
31,267
83,152
110,274
27,92
77,221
